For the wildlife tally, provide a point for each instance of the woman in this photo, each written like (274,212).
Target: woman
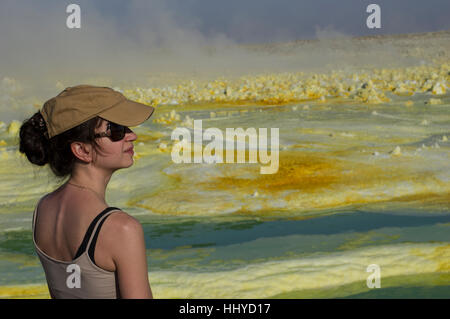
(87,249)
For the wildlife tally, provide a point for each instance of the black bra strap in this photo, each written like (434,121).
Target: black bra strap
(83,245)
(91,248)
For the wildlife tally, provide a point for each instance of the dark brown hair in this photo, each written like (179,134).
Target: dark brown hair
(55,151)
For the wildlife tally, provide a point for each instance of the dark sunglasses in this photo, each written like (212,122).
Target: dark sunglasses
(114,131)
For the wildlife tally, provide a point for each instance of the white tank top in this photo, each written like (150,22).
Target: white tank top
(81,277)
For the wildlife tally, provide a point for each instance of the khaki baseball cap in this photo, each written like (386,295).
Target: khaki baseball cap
(78,104)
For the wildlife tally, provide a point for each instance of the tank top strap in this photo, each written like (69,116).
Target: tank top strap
(93,227)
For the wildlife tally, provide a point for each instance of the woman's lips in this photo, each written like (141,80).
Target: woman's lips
(130,150)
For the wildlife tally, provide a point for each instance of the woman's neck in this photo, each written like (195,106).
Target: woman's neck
(96,184)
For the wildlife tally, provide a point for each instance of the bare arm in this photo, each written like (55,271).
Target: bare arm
(129,256)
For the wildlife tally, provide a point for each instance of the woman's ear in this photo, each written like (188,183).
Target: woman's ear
(82,151)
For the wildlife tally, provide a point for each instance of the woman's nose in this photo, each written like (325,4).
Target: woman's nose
(130,135)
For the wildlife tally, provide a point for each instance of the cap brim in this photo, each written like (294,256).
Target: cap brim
(128,113)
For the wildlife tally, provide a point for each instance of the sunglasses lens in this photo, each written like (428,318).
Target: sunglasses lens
(118,131)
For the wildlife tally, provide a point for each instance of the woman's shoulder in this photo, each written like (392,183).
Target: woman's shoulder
(122,232)
(122,222)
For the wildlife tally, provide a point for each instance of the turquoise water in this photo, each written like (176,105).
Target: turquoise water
(193,245)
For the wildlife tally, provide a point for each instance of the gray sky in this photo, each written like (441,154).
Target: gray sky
(124,38)
(275,20)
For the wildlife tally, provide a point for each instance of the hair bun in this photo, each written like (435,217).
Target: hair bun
(33,140)
(37,121)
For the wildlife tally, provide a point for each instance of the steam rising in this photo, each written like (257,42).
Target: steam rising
(150,44)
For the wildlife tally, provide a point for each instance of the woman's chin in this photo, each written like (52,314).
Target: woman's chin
(131,162)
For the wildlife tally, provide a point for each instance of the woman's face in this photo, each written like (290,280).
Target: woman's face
(114,154)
